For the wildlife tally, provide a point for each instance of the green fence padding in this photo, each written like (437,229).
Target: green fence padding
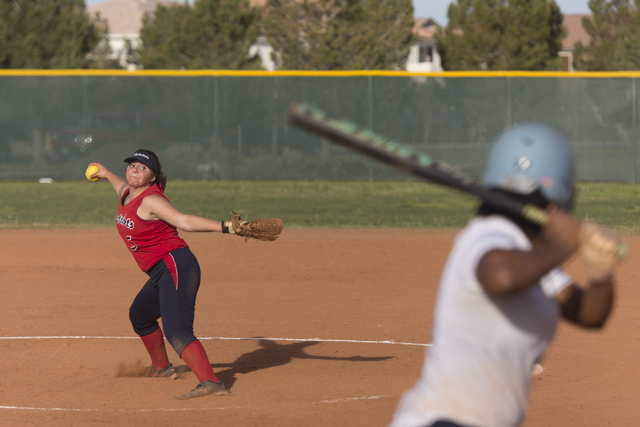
(233,126)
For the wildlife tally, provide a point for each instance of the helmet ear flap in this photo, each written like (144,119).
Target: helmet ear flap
(569,205)
(532,157)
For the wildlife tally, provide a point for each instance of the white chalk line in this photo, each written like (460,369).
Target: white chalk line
(27,408)
(69,337)
(353,398)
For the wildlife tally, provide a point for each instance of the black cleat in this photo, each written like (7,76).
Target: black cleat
(166,372)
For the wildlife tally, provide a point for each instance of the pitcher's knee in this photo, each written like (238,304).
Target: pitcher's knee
(141,325)
(179,341)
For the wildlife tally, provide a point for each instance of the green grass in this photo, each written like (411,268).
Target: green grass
(301,204)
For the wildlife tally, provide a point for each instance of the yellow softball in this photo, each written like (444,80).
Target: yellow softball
(90,171)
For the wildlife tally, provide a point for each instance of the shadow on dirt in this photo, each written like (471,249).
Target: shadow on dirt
(271,355)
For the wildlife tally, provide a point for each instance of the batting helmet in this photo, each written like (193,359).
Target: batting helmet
(532,157)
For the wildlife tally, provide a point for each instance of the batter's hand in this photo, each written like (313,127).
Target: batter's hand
(601,250)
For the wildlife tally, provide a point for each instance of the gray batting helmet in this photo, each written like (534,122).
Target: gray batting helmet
(532,157)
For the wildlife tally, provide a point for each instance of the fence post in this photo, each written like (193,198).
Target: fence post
(274,140)
(36,140)
(633,127)
(370,83)
(85,101)
(285,128)
(216,113)
(509,113)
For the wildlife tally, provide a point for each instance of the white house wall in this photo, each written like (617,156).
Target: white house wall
(414,66)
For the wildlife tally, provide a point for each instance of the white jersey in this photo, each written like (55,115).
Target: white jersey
(478,373)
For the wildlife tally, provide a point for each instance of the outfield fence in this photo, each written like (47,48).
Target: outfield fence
(232,125)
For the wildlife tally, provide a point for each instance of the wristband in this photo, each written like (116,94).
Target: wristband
(227,227)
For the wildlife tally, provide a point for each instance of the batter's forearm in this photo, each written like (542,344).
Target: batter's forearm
(595,304)
(503,272)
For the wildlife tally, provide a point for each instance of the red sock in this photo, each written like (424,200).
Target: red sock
(154,343)
(196,358)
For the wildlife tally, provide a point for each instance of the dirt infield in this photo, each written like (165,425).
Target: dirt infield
(314,329)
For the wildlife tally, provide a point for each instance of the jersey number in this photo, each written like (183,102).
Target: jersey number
(133,244)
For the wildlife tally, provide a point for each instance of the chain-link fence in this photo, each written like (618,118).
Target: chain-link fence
(215,125)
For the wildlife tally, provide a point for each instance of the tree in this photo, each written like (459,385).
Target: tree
(211,34)
(101,56)
(339,34)
(614,29)
(49,34)
(502,35)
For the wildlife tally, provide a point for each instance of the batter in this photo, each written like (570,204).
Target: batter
(502,291)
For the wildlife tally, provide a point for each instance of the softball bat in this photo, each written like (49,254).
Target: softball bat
(416,163)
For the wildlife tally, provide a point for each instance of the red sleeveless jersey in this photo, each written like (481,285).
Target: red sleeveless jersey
(148,241)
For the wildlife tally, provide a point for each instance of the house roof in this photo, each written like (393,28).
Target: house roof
(125,16)
(575,31)
(425,28)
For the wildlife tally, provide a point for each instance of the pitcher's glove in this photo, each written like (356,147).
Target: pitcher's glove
(601,249)
(260,228)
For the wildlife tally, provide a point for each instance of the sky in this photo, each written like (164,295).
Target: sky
(437,9)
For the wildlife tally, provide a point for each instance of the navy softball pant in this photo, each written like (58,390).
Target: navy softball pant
(170,294)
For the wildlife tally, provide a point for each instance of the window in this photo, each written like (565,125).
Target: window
(425,54)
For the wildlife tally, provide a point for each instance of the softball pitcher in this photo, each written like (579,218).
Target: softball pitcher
(147,223)
(502,291)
